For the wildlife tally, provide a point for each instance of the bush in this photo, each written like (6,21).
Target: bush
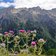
(51,52)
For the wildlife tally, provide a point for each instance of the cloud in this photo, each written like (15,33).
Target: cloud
(3,4)
(44,4)
(49,4)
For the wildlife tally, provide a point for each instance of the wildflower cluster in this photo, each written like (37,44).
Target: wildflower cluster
(22,41)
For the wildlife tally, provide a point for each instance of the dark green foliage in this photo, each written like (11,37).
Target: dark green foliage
(31,50)
(51,52)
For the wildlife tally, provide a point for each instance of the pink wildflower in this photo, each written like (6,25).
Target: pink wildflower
(22,31)
(33,43)
(5,33)
(12,32)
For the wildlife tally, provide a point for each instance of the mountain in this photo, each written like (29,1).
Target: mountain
(44,21)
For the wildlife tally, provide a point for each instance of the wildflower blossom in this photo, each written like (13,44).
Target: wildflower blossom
(33,43)
(1,34)
(41,40)
(2,44)
(22,31)
(35,31)
(31,31)
(6,34)
(12,32)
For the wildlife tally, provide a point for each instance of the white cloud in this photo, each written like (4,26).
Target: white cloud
(46,4)
(3,4)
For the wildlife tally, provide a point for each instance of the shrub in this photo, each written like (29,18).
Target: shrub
(51,52)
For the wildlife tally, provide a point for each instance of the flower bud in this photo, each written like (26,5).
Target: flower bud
(33,43)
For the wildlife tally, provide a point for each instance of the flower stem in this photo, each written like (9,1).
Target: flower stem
(7,46)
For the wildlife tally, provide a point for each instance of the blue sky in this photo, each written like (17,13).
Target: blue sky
(6,0)
(44,4)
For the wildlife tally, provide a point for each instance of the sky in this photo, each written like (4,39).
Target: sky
(44,4)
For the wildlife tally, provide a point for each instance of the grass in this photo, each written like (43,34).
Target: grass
(24,54)
(3,52)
